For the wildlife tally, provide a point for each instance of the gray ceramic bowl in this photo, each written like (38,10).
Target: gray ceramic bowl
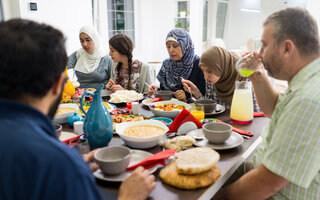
(217,132)
(164,94)
(113,160)
(58,129)
(209,105)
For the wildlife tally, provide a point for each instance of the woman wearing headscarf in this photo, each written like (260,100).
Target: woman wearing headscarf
(218,66)
(127,73)
(183,63)
(91,65)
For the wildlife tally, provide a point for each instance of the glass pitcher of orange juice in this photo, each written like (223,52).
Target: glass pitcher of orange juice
(242,103)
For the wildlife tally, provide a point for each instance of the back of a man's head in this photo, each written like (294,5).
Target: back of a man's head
(32,57)
(297,25)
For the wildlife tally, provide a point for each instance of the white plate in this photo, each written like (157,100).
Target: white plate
(147,101)
(234,140)
(137,156)
(66,135)
(219,109)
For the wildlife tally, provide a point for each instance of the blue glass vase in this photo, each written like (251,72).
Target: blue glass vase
(98,125)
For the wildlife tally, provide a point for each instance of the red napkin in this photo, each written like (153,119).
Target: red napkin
(73,139)
(156,159)
(184,116)
(241,132)
(156,99)
(258,114)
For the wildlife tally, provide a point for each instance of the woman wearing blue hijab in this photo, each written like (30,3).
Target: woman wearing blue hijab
(183,63)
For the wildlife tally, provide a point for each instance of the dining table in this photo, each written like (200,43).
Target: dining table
(229,162)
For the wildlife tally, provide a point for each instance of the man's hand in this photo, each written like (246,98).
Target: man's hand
(88,158)
(138,186)
(180,95)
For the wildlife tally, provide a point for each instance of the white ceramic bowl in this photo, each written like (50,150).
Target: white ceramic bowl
(169,114)
(141,142)
(62,118)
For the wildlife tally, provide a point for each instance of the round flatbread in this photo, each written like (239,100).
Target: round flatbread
(197,160)
(170,176)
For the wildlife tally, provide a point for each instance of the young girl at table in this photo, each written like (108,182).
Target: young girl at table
(182,63)
(218,66)
(127,73)
(91,64)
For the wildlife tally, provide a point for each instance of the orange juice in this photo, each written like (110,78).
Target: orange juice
(199,115)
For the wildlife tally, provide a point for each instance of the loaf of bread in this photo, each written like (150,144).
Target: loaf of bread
(179,142)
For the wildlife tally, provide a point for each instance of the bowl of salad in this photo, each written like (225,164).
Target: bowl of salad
(169,108)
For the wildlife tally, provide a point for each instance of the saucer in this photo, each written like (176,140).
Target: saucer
(136,156)
(233,141)
(196,134)
(219,109)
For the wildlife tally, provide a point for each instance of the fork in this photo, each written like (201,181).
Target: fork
(192,98)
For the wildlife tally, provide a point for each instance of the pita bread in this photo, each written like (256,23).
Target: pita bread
(179,142)
(170,176)
(197,160)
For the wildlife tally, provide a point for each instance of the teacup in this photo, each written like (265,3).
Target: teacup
(217,132)
(113,160)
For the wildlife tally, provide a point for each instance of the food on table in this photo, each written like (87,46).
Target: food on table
(203,168)
(179,142)
(143,131)
(189,161)
(167,107)
(121,111)
(170,176)
(121,96)
(87,104)
(63,110)
(118,118)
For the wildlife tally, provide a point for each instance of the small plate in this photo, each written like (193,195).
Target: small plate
(147,101)
(234,140)
(137,156)
(219,109)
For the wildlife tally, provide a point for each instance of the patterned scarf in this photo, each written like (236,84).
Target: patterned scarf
(171,71)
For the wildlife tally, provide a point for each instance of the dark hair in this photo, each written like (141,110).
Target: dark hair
(32,57)
(297,25)
(124,45)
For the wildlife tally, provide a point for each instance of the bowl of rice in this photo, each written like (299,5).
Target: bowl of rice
(124,96)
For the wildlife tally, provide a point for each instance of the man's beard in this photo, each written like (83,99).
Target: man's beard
(54,106)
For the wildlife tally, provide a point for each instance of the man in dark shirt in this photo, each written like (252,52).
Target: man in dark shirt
(34,163)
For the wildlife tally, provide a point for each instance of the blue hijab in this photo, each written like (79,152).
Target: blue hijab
(171,71)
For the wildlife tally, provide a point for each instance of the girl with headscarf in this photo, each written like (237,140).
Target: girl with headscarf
(127,73)
(218,66)
(91,65)
(183,63)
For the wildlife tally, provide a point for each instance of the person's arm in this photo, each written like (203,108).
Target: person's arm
(72,60)
(259,183)
(147,80)
(266,95)
(194,90)
(137,186)
(107,61)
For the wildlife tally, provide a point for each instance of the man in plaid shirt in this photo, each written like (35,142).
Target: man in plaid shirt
(287,161)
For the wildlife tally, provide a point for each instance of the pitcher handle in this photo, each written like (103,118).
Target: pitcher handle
(81,100)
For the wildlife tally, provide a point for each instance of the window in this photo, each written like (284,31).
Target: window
(205,20)
(222,10)
(1,15)
(120,17)
(182,21)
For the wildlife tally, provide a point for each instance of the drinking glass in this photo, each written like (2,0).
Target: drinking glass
(197,111)
(247,65)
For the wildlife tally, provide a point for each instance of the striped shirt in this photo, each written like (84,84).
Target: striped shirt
(291,142)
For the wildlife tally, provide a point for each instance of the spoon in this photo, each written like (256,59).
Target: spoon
(192,98)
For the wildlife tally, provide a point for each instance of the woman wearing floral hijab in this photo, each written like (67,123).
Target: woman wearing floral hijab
(183,63)
(218,66)
(91,65)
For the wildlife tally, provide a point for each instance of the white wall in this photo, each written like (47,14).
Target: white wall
(153,20)
(67,15)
